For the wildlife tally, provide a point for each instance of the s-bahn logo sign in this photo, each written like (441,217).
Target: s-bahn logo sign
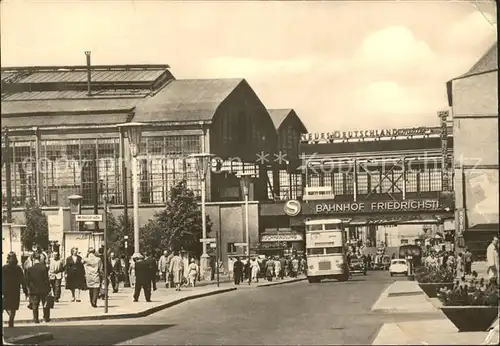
(338,135)
(384,206)
(292,207)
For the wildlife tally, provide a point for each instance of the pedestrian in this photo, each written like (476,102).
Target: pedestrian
(255,268)
(277,268)
(143,278)
(492,260)
(282,261)
(75,274)
(294,267)
(193,272)
(37,281)
(460,266)
(230,266)
(468,261)
(153,267)
(270,269)
(303,265)
(163,267)
(286,266)
(176,269)
(115,272)
(12,282)
(247,270)
(93,275)
(131,270)
(237,270)
(56,270)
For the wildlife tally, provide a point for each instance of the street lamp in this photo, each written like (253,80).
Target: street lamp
(134,138)
(245,179)
(203,161)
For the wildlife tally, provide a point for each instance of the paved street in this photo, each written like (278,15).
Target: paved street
(298,313)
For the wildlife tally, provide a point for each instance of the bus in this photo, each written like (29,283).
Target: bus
(325,250)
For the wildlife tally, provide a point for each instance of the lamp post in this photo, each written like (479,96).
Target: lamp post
(245,179)
(202,164)
(134,135)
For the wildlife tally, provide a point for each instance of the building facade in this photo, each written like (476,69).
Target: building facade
(473,98)
(378,181)
(61,136)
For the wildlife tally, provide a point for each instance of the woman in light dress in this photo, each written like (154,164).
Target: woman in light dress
(176,270)
(277,267)
(255,269)
(193,272)
(131,270)
(460,266)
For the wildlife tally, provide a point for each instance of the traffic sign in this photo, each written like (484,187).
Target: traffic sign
(207,240)
(240,244)
(213,245)
(89,218)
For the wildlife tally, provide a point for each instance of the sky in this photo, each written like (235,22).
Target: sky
(341,65)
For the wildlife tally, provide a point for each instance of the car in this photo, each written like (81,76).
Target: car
(398,266)
(357,266)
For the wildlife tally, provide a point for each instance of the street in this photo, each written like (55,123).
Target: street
(298,313)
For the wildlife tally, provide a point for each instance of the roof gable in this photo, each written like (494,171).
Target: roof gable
(186,100)
(488,62)
(279,116)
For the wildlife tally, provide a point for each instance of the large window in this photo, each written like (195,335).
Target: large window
(22,172)
(164,162)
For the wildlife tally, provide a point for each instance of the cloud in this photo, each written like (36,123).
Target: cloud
(393,48)
(392,103)
(227,66)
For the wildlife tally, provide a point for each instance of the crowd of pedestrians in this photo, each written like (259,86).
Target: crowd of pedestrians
(265,267)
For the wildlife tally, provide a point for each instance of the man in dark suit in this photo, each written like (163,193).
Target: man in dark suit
(153,267)
(37,280)
(115,269)
(237,271)
(143,278)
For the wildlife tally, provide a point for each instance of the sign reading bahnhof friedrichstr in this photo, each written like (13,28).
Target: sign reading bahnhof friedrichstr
(378,206)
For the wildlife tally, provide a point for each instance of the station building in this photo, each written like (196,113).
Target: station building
(377,181)
(473,98)
(61,137)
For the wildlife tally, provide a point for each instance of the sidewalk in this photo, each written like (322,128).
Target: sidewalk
(403,297)
(438,331)
(120,305)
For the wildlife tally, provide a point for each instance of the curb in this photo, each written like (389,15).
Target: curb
(281,282)
(30,339)
(405,294)
(135,314)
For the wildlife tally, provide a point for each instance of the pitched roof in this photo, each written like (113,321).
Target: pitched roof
(39,120)
(68,105)
(186,100)
(488,62)
(280,115)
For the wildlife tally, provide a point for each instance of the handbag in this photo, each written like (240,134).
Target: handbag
(49,302)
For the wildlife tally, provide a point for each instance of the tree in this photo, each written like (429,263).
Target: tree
(178,226)
(117,232)
(37,226)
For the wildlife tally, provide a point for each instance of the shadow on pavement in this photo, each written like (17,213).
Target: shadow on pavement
(87,335)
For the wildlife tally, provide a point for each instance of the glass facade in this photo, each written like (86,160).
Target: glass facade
(290,185)
(377,181)
(72,166)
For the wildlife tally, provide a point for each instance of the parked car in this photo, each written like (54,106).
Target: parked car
(357,266)
(398,266)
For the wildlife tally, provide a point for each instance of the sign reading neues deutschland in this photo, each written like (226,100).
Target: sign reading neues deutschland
(385,206)
(338,135)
